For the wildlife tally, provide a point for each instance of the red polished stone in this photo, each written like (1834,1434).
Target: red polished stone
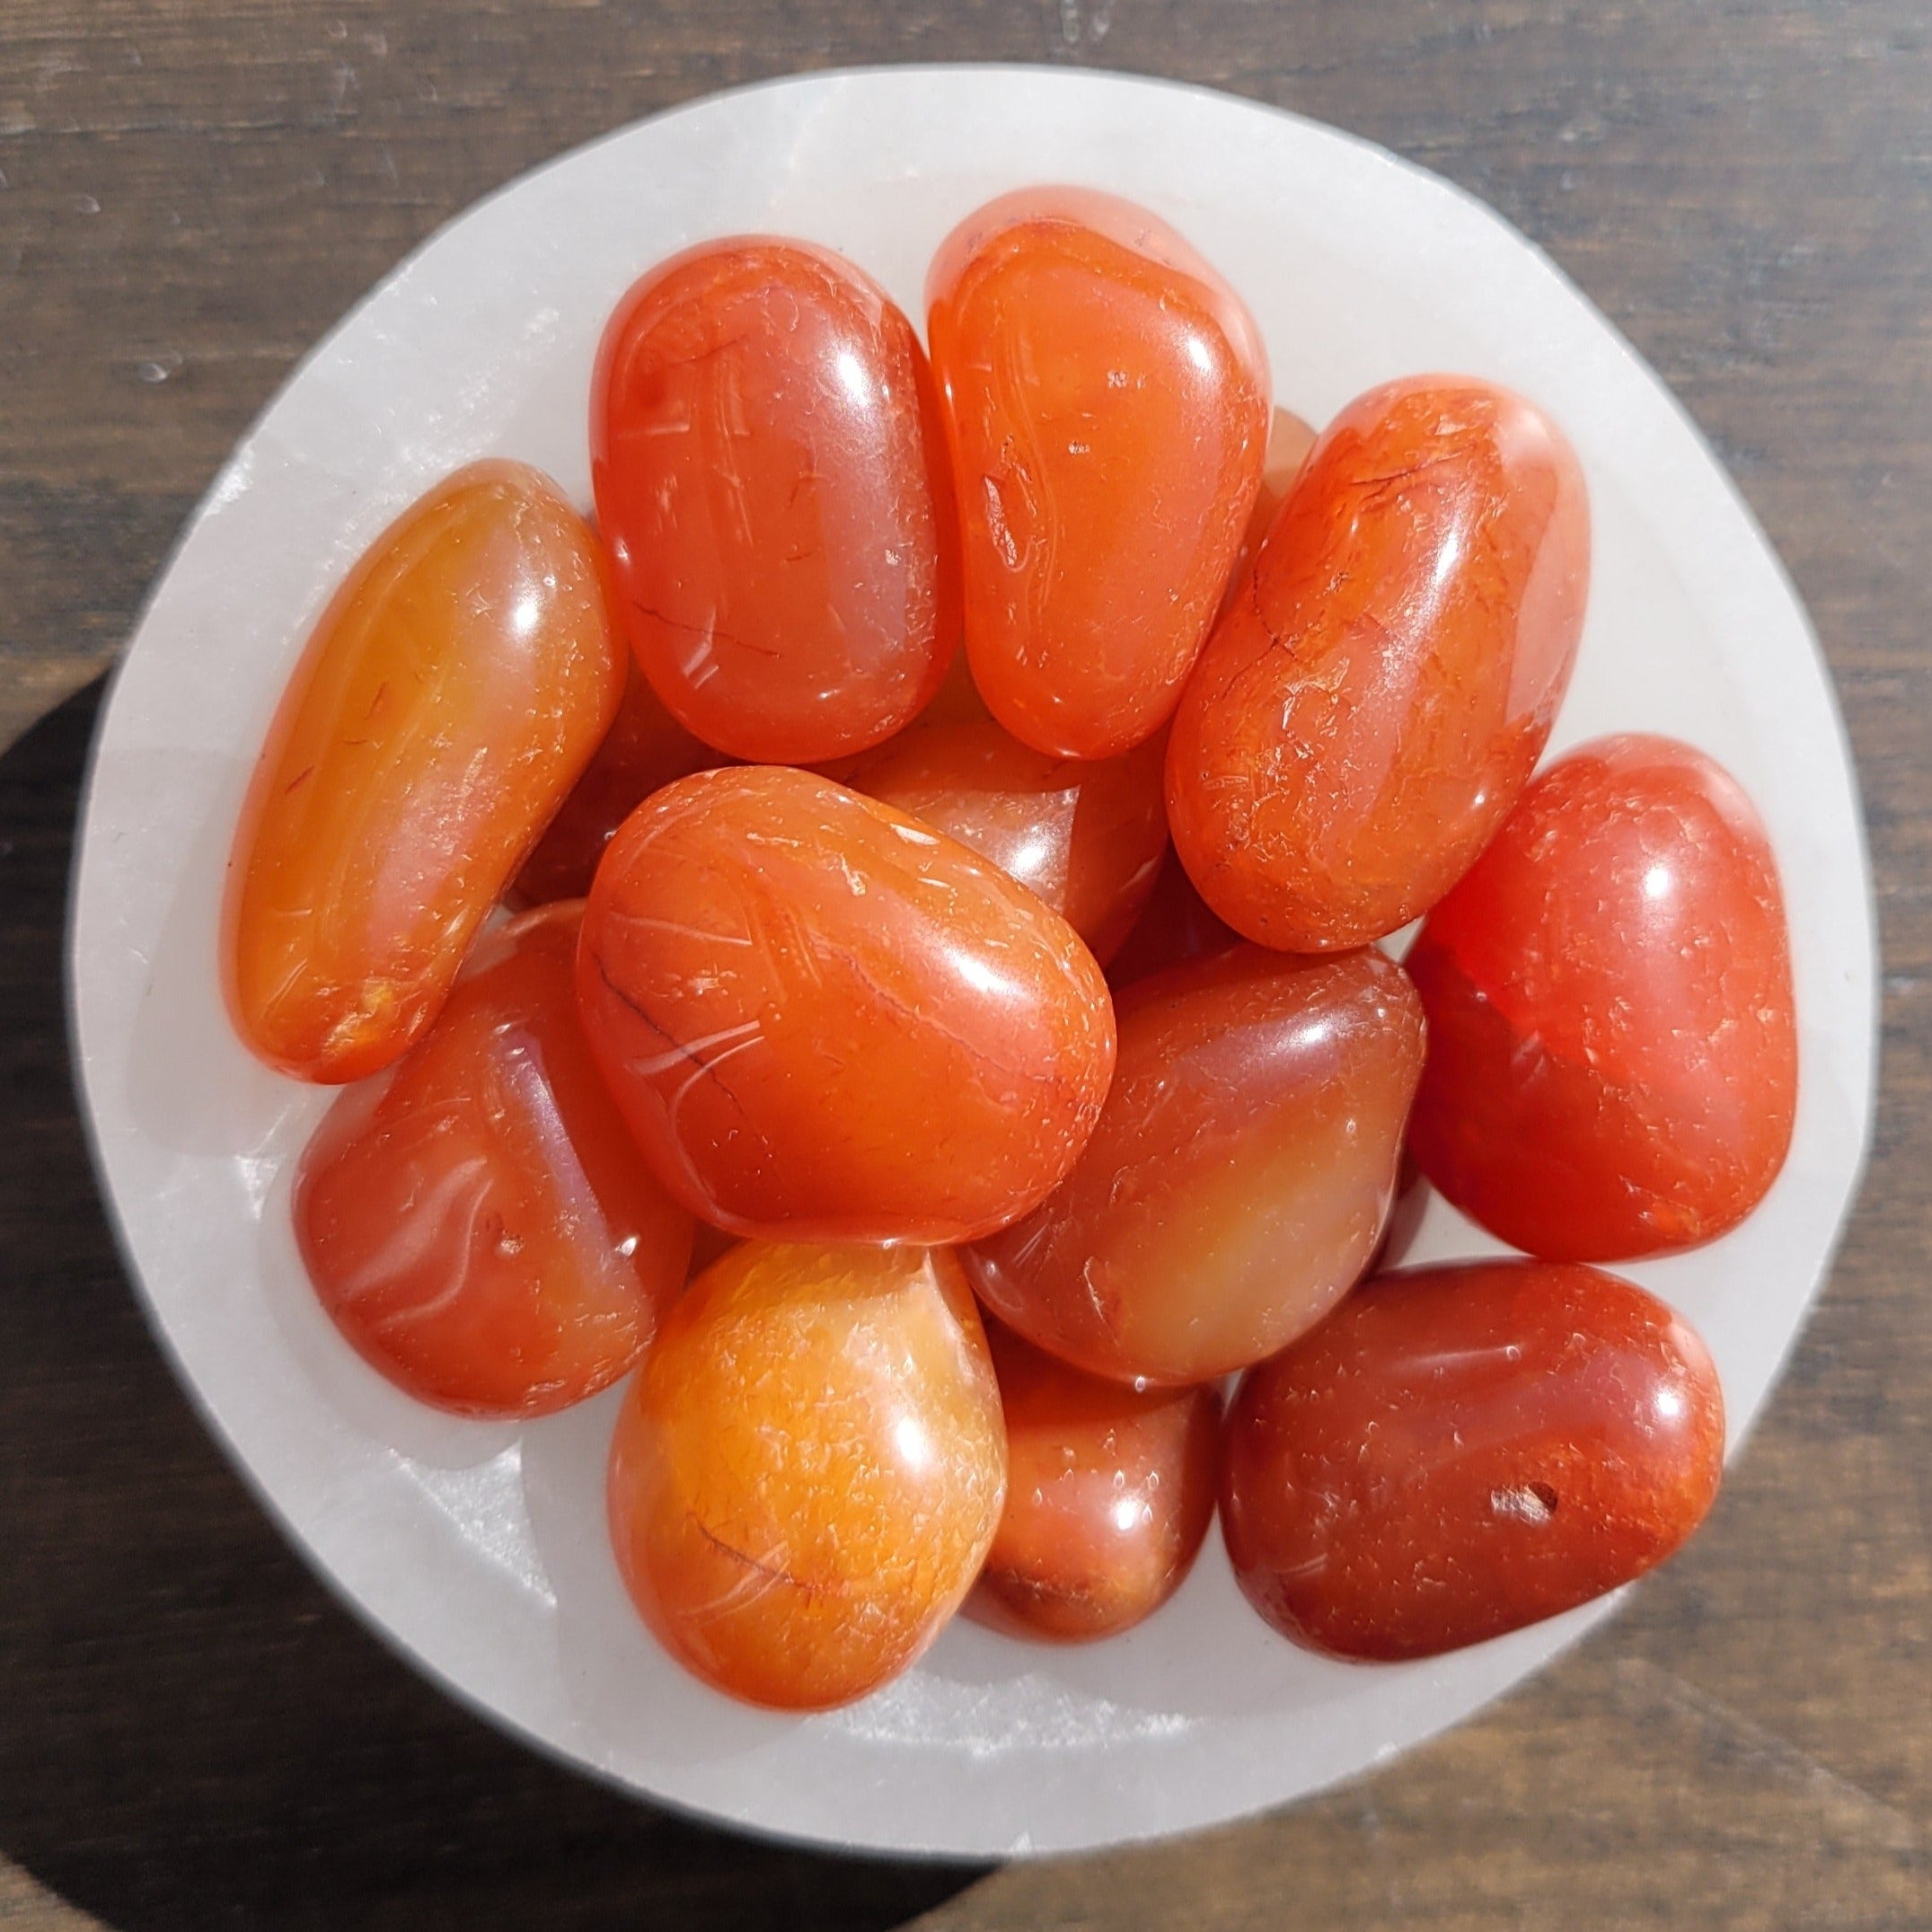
(1107,402)
(477,1221)
(1612,1045)
(826,1021)
(772,480)
(1462,1451)
(451,694)
(1109,1493)
(1241,1174)
(808,1470)
(1087,836)
(1375,698)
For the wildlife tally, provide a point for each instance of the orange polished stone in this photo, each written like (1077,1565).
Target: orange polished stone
(1107,400)
(1374,699)
(1462,1451)
(644,749)
(809,1468)
(1240,1177)
(477,1221)
(1087,836)
(1110,1493)
(825,1021)
(453,692)
(772,480)
(1612,1042)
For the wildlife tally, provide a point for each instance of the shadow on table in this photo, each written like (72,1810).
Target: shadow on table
(191,1732)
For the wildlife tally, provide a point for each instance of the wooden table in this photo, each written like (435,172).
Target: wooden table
(191,1732)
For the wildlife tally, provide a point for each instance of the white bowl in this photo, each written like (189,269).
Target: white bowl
(479,1550)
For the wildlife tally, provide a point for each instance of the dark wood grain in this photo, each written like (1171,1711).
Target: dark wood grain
(191,1732)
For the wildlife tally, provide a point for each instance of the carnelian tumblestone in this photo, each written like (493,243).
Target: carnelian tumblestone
(451,694)
(1612,1042)
(808,1470)
(1106,405)
(824,1020)
(477,1221)
(1110,1493)
(1290,439)
(770,477)
(1374,699)
(1086,836)
(646,747)
(1240,1176)
(1462,1451)
(1175,926)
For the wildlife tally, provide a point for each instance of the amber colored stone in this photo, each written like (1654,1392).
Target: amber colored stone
(770,478)
(476,1221)
(1458,1452)
(1107,406)
(646,747)
(808,1470)
(1374,699)
(1613,1062)
(451,694)
(1087,836)
(1241,1174)
(1110,1493)
(824,1020)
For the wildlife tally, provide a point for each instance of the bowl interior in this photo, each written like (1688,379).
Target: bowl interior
(478,1548)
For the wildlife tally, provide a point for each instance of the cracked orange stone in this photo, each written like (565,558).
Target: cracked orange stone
(1240,1176)
(1373,701)
(1110,1493)
(1612,1041)
(477,1221)
(772,480)
(453,692)
(1107,403)
(824,1020)
(1458,1452)
(808,1470)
